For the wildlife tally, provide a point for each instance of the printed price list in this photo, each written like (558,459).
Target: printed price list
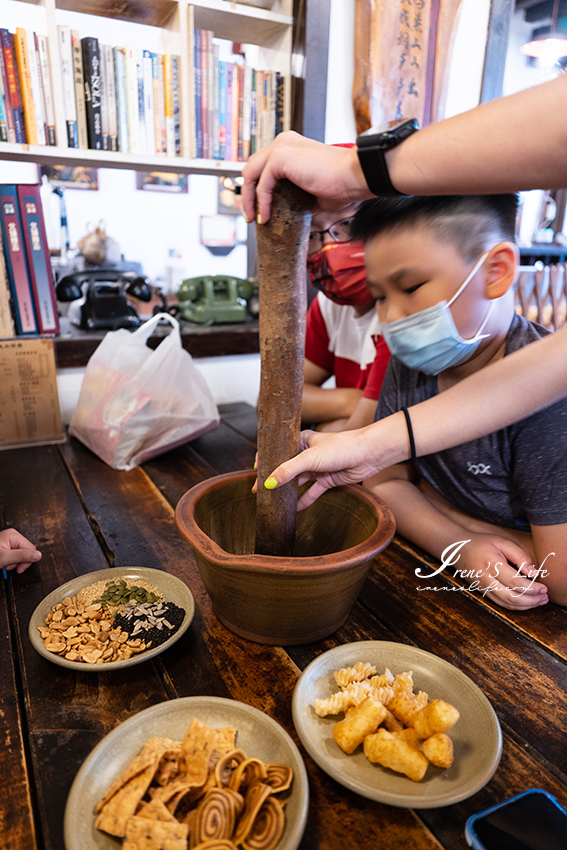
(29,404)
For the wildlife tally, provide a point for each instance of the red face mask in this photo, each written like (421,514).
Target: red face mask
(338,271)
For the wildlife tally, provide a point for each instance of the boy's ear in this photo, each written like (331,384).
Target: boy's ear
(500,269)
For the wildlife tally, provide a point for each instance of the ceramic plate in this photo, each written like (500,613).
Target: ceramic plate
(258,735)
(477,738)
(173,589)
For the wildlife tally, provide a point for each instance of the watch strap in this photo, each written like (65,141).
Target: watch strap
(375,169)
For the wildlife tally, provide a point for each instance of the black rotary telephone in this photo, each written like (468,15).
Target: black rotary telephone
(105,306)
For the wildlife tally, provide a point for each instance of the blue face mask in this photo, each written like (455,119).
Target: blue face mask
(429,340)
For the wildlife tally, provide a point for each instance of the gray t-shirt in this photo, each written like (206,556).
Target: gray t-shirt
(515,477)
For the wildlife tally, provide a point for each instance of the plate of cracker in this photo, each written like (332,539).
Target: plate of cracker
(111,618)
(187,771)
(397,724)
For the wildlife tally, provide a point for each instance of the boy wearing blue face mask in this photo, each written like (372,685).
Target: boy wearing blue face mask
(442,271)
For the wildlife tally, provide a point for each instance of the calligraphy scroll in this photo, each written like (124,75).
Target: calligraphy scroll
(410,49)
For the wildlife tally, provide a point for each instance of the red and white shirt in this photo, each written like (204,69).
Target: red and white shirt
(347,346)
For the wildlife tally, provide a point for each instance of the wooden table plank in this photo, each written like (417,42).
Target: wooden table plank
(216,662)
(67,712)
(16,820)
(526,684)
(547,624)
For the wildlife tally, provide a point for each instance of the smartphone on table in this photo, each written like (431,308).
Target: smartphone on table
(532,820)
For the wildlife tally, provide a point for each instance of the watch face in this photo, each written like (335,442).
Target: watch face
(389,134)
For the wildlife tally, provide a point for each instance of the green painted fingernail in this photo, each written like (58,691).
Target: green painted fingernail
(270,483)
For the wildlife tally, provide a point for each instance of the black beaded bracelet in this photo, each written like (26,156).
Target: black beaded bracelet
(410,434)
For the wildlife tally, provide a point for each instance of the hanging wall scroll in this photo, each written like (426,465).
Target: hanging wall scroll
(402,52)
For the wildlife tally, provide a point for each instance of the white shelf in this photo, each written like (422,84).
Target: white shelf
(237,22)
(45,155)
(270,29)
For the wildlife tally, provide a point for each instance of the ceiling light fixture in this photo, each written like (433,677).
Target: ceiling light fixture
(548,46)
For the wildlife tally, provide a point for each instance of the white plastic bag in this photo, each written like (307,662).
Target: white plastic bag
(136,403)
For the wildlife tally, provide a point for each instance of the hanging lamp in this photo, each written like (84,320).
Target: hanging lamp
(548,46)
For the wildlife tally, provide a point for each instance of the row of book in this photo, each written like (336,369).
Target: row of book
(128,99)
(27,292)
(119,98)
(238,109)
(27,112)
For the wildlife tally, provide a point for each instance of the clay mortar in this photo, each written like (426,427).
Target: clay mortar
(274,576)
(282,600)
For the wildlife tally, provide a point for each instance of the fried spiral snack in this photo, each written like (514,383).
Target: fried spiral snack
(246,772)
(279,777)
(200,793)
(226,766)
(216,815)
(255,797)
(267,828)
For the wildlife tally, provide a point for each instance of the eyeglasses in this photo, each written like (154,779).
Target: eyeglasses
(339,231)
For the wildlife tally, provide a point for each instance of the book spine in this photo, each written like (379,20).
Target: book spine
(35,49)
(216,103)
(43,53)
(265,117)
(66,56)
(161,105)
(110,87)
(149,102)
(7,329)
(222,110)
(198,95)
(23,60)
(229,72)
(155,89)
(246,112)
(253,117)
(204,94)
(240,150)
(122,103)
(132,99)
(13,81)
(103,101)
(6,94)
(91,71)
(168,88)
(3,121)
(79,78)
(139,54)
(211,94)
(176,104)
(273,104)
(235,98)
(280,103)
(37,93)
(16,262)
(191,151)
(37,253)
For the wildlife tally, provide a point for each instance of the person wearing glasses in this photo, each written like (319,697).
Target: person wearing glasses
(342,336)
(510,144)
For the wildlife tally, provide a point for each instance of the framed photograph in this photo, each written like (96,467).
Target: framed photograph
(70,176)
(162,181)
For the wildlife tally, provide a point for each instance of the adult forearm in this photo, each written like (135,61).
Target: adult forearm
(510,144)
(494,397)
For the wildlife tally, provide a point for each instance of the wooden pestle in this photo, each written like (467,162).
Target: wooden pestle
(282,260)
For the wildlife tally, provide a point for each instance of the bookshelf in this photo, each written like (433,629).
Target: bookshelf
(270,30)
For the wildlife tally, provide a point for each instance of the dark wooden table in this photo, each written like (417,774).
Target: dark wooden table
(85,516)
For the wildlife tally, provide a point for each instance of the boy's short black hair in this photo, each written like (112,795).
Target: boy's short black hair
(465,221)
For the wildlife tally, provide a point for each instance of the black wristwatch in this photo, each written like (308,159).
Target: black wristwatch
(373,144)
